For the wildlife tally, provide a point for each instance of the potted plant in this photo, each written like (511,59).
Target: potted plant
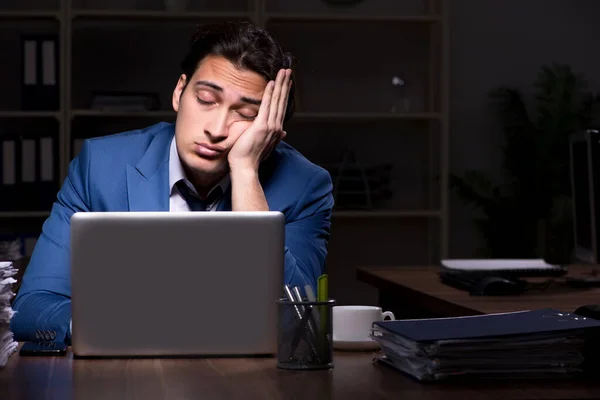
(528,213)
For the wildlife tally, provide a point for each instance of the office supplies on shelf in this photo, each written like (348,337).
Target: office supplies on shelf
(544,343)
(7,344)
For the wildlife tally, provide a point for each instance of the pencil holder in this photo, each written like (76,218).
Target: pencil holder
(305,334)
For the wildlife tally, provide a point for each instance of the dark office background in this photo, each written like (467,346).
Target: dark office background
(395,137)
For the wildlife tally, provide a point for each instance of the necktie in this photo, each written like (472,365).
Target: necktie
(194,202)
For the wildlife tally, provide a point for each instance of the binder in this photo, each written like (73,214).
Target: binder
(29,172)
(544,343)
(40,72)
(10,172)
(519,323)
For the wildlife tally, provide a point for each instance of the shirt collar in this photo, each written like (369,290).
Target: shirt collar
(176,172)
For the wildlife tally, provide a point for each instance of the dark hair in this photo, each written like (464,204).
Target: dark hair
(246,46)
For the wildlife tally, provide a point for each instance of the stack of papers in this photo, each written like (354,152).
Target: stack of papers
(7,344)
(542,343)
(10,250)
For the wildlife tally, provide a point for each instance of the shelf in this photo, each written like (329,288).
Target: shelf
(364,116)
(385,214)
(299,116)
(353,18)
(97,38)
(24,14)
(123,114)
(29,114)
(157,14)
(337,214)
(24,214)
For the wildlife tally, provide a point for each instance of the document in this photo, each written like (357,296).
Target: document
(498,264)
(7,344)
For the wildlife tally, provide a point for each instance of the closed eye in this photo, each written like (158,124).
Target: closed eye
(206,103)
(248,117)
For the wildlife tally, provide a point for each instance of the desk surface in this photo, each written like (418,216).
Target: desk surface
(421,285)
(354,376)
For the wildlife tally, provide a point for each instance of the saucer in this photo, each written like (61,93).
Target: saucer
(356,345)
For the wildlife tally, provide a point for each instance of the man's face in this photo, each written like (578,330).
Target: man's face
(218,104)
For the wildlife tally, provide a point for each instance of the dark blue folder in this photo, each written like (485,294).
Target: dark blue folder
(520,323)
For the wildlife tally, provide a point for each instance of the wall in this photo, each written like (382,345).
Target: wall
(497,42)
(492,42)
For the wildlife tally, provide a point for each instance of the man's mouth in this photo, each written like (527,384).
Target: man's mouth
(208,151)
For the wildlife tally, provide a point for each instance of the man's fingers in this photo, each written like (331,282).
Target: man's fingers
(276,137)
(265,103)
(283,100)
(275,98)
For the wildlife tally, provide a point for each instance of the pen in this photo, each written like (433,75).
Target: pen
(306,310)
(310,295)
(323,296)
(290,297)
(302,319)
(322,289)
(297,293)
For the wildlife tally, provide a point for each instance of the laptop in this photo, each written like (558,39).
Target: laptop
(160,284)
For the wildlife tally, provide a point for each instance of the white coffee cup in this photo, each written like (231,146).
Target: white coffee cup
(354,323)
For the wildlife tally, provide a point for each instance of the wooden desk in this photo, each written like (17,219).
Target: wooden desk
(417,291)
(354,376)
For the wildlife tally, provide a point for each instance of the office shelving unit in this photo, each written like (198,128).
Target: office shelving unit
(347,57)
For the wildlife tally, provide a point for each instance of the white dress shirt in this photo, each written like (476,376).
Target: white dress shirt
(176,173)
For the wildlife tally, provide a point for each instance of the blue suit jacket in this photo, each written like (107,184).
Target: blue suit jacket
(130,172)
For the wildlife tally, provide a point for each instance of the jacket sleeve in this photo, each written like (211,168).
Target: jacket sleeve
(44,298)
(307,235)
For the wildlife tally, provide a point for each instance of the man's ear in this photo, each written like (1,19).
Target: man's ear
(178,91)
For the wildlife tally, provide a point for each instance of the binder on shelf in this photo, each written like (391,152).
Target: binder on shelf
(29,172)
(9,185)
(40,78)
(47,171)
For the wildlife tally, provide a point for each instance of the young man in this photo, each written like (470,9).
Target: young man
(224,151)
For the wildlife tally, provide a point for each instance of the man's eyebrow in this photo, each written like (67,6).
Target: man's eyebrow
(220,89)
(209,84)
(256,102)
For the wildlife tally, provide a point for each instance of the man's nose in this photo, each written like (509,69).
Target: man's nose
(217,126)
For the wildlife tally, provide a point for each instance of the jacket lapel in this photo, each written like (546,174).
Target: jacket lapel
(148,181)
